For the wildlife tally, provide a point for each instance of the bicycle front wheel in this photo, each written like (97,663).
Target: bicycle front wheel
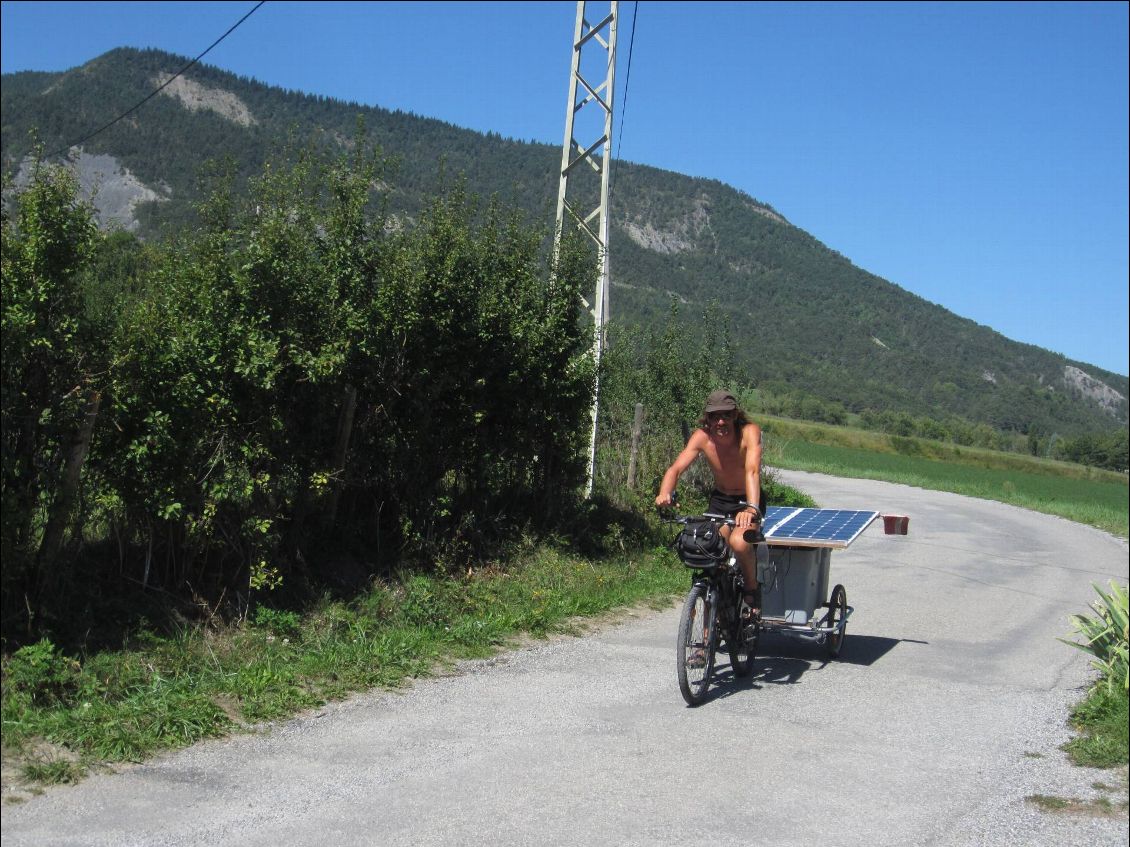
(696,643)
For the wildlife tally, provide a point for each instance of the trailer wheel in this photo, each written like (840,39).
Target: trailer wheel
(837,617)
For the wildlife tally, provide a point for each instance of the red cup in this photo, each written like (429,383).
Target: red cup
(896,524)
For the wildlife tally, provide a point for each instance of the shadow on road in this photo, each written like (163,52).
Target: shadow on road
(868,649)
(783,661)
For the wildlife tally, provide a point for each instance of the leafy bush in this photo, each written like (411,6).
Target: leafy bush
(40,675)
(1107,635)
(294,376)
(280,622)
(52,360)
(779,494)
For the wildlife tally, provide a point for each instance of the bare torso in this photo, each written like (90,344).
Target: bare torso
(727,456)
(734,456)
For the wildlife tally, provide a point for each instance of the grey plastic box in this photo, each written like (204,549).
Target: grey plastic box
(794,582)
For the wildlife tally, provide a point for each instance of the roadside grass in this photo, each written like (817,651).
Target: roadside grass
(1103,720)
(163,693)
(1103,717)
(1101,806)
(53,771)
(1098,498)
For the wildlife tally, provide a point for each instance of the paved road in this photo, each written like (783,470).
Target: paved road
(945,711)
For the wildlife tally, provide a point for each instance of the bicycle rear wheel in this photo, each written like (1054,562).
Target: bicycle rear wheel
(742,646)
(698,637)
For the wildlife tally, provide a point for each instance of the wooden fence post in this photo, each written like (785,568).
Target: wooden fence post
(60,512)
(637,429)
(341,451)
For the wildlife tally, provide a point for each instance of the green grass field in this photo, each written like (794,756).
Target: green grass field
(1098,498)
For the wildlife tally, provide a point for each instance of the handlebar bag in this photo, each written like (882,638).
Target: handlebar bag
(700,544)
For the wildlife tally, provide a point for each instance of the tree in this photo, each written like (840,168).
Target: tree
(52,370)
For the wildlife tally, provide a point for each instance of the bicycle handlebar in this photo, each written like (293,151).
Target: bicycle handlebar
(708,515)
(705,516)
(750,535)
(741,503)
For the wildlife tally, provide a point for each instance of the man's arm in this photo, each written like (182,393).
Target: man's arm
(683,461)
(751,444)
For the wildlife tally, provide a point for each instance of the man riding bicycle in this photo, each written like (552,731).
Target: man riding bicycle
(731,444)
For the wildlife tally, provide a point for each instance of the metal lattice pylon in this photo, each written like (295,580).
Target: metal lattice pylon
(594,53)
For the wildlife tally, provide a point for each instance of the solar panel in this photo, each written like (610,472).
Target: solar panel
(789,526)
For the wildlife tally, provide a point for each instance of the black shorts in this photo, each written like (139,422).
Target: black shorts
(729,504)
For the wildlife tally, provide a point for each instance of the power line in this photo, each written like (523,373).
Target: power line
(624,108)
(158,90)
(628,75)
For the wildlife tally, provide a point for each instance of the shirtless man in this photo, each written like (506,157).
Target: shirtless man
(732,447)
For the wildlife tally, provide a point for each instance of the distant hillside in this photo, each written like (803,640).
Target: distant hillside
(809,319)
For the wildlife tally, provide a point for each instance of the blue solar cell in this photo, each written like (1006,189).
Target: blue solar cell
(826,527)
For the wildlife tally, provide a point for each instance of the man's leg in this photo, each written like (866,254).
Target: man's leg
(747,558)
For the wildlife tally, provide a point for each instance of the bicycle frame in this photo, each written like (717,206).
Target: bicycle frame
(712,611)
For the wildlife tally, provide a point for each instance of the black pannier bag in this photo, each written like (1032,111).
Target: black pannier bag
(700,544)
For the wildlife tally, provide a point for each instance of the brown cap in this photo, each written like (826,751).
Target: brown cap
(720,401)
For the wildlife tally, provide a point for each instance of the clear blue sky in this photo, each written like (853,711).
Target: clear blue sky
(972,153)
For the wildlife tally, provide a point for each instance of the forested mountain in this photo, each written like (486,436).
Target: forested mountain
(807,320)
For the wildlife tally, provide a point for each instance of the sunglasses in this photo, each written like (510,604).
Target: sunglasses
(728,415)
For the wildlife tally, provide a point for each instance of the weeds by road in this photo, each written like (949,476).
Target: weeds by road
(63,715)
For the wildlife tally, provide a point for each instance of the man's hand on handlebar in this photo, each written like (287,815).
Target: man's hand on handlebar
(748,521)
(747,518)
(666,501)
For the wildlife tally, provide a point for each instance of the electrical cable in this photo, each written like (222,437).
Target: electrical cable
(154,93)
(624,110)
(628,75)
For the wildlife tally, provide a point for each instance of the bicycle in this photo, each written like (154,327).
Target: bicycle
(714,605)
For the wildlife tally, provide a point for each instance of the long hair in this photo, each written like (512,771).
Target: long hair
(740,420)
